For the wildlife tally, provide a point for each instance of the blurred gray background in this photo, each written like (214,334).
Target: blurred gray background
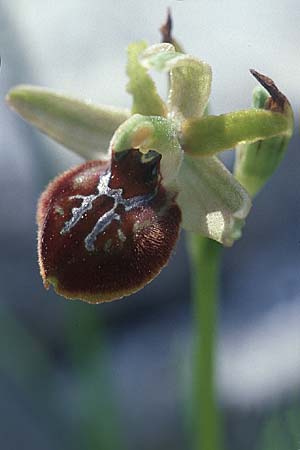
(118,375)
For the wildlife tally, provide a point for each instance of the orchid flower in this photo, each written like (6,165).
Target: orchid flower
(108,226)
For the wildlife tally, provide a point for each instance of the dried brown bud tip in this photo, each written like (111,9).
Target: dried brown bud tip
(166,29)
(278,101)
(106,229)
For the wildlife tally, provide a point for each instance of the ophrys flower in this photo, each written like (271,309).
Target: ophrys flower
(108,226)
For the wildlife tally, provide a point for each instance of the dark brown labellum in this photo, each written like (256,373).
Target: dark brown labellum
(106,228)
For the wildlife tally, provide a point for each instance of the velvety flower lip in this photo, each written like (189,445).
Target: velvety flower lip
(108,226)
(110,243)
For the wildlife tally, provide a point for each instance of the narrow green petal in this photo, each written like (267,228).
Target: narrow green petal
(256,162)
(78,125)
(190,79)
(146,100)
(213,134)
(212,202)
(151,133)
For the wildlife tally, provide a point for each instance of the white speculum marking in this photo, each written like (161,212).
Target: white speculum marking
(105,220)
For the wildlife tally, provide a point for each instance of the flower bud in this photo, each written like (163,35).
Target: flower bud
(256,161)
(106,229)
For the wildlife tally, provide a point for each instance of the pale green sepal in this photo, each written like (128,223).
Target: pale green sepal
(151,133)
(78,125)
(190,80)
(256,162)
(146,100)
(212,202)
(212,134)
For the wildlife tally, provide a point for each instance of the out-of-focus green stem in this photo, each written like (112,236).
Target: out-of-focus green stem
(95,403)
(205,256)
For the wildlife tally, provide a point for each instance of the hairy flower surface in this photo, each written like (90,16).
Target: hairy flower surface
(108,226)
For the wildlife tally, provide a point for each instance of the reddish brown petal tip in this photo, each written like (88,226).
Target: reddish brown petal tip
(106,231)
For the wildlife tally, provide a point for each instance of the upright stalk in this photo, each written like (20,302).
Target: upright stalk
(205,257)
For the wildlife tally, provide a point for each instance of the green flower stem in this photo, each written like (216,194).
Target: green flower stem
(205,257)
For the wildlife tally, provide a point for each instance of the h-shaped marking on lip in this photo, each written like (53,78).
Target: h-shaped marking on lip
(105,220)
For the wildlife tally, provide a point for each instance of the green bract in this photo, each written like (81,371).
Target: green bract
(211,200)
